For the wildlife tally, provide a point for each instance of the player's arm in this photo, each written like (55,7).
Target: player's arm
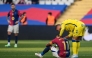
(20,16)
(62,30)
(69,35)
(25,20)
(8,15)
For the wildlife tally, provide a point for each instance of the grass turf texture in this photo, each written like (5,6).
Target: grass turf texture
(27,48)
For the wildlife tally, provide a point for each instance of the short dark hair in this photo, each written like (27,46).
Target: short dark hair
(12,4)
(50,13)
(58,25)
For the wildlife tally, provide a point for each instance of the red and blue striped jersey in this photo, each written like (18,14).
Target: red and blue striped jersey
(14,16)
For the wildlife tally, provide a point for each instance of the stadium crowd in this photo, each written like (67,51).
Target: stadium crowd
(19,1)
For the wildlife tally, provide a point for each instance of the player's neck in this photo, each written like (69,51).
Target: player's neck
(13,10)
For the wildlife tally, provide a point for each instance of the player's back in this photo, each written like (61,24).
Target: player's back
(70,24)
(62,44)
(64,48)
(70,21)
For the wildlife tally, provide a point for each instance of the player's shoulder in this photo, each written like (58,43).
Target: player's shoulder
(56,39)
(10,11)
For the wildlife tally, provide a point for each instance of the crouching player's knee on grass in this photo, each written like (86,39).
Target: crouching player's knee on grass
(63,50)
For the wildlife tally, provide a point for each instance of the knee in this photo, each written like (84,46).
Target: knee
(9,33)
(16,34)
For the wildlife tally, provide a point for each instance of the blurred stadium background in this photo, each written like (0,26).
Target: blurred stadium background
(34,36)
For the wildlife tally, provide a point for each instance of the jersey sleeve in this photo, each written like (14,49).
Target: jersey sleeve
(71,28)
(62,29)
(8,14)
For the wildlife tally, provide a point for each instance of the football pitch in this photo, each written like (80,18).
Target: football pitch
(27,48)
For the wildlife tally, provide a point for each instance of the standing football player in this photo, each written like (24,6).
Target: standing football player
(63,45)
(76,30)
(13,20)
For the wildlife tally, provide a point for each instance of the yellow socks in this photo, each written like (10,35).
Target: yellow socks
(75,47)
(78,47)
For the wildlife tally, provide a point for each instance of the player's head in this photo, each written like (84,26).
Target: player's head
(50,13)
(58,27)
(13,6)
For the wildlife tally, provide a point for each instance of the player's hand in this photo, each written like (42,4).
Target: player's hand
(65,37)
(16,22)
(9,21)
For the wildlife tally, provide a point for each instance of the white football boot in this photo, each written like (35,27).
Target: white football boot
(38,55)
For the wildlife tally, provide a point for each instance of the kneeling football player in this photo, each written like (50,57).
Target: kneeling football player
(62,52)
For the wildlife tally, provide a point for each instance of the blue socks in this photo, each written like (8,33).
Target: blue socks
(45,50)
(16,39)
(9,37)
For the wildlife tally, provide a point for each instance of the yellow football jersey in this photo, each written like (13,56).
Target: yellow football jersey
(70,25)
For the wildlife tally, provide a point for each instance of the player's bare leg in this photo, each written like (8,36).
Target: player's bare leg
(9,37)
(16,39)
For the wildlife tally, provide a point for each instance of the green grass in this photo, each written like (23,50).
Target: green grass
(27,48)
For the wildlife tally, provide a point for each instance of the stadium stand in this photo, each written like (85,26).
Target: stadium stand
(56,2)
(87,19)
(76,11)
(36,14)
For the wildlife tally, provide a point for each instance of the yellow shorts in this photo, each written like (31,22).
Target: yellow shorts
(79,30)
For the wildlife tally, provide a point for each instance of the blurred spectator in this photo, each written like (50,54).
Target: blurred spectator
(24,19)
(50,21)
(21,2)
(35,1)
(1,1)
(8,1)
